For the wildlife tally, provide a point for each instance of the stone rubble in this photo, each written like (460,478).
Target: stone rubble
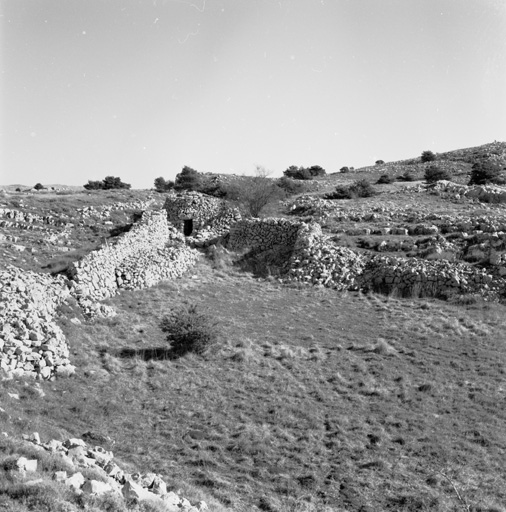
(76,456)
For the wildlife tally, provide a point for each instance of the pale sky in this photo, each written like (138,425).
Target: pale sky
(140,88)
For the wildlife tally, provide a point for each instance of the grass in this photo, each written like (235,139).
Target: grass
(313,400)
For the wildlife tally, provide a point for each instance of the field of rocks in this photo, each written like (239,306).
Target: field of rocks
(344,315)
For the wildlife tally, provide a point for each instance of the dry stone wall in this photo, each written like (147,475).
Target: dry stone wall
(316,260)
(263,234)
(210,217)
(419,278)
(151,251)
(31,343)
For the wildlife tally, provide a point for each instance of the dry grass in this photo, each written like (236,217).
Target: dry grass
(313,400)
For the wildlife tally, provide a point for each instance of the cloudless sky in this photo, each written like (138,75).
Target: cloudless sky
(140,88)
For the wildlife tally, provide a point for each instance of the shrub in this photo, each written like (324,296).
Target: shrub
(385,178)
(108,183)
(290,186)
(407,176)
(361,188)
(486,171)
(304,173)
(428,156)
(434,174)
(189,330)
(345,169)
(256,192)
(39,186)
(379,162)
(94,185)
(188,179)
(161,185)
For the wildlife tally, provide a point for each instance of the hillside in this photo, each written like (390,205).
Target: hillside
(361,369)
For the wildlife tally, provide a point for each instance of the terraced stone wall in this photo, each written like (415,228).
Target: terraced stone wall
(151,251)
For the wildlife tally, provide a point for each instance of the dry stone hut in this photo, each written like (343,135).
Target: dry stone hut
(202,217)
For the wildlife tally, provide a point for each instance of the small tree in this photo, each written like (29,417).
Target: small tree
(113,182)
(345,169)
(486,171)
(434,174)
(108,183)
(256,193)
(39,186)
(379,162)
(428,156)
(94,185)
(188,179)
(189,330)
(316,171)
(161,185)
(298,173)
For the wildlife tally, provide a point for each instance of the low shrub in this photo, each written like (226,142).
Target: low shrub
(385,178)
(379,162)
(360,188)
(291,186)
(189,330)
(434,174)
(407,176)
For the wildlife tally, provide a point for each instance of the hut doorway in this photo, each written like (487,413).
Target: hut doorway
(188,227)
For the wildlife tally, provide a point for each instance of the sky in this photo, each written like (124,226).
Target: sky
(140,88)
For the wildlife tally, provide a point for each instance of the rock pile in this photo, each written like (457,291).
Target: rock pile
(151,251)
(75,456)
(31,343)
(483,193)
(316,261)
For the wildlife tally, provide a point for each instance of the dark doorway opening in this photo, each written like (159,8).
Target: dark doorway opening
(188,227)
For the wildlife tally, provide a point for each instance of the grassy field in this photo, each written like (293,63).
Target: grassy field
(312,400)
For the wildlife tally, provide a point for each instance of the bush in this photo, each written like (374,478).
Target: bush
(290,186)
(344,169)
(188,179)
(428,156)
(39,186)
(108,183)
(407,176)
(304,173)
(256,192)
(486,171)
(361,188)
(379,162)
(161,185)
(434,174)
(189,330)
(385,178)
